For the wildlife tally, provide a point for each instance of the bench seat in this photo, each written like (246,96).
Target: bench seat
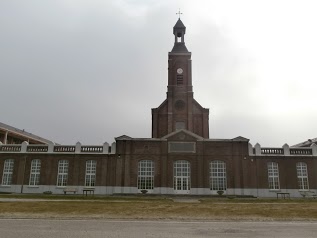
(70,190)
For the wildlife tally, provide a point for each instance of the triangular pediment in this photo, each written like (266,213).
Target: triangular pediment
(123,137)
(240,138)
(183,135)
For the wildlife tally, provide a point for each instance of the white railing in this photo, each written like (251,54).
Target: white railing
(51,148)
(285,150)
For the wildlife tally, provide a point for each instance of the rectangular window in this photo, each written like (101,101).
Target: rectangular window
(302,176)
(273,176)
(90,179)
(181,176)
(218,176)
(7,172)
(62,175)
(35,172)
(182,147)
(146,175)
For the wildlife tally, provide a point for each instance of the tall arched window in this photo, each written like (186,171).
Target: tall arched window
(273,175)
(146,175)
(35,172)
(7,172)
(90,178)
(62,175)
(218,176)
(181,176)
(302,176)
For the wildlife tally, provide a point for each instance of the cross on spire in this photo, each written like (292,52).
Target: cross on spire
(179,13)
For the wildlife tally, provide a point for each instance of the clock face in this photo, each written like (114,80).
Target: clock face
(179,70)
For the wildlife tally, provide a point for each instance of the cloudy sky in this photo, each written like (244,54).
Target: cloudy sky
(89,71)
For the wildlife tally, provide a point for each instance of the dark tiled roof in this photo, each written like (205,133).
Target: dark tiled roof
(179,24)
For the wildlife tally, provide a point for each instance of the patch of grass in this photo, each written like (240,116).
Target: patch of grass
(162,208)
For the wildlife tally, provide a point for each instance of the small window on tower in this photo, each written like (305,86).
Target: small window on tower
(179,80)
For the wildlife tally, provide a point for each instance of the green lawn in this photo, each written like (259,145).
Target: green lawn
(157,207)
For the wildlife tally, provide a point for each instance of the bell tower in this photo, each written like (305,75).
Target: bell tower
(180,110)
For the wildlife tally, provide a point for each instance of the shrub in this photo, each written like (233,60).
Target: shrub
(143,191)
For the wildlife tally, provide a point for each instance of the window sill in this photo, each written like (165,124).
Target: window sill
(5,186)
(33,186)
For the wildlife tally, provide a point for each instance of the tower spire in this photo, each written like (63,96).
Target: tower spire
(179,32)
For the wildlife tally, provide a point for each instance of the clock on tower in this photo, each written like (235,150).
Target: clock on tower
(180,110)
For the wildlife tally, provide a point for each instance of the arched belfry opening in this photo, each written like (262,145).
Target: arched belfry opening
(179,31)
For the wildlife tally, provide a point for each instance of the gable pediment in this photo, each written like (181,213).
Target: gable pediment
(182,135)
(240,138)
(123,137)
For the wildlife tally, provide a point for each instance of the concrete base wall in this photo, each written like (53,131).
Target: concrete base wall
(108,190)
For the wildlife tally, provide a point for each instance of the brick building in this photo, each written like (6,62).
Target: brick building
(180,158)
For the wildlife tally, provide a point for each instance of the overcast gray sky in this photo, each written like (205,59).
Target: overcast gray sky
(89,71)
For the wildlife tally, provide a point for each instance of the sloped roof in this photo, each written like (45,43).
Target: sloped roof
(179,24)
(23,134)
(307,143)
(179,47)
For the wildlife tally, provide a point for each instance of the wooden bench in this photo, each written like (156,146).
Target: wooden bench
(283,195)
(70,190)
(90,190)
(308,194)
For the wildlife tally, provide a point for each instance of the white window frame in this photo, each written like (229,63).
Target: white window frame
(182,176)
(302,176)
(62,174)
(218,175)
(7,172)
(273,176)
(90,176)
(35,172)
(146,175)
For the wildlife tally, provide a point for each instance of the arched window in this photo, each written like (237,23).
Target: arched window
(302,176)
(7,172)
(273,176)
(35,172)
(90,178)
(218,176)
(62,174)
(146,175)
(181,176)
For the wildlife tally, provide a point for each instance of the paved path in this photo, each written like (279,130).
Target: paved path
(39,228)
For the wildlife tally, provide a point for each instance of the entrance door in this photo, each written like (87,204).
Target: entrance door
(181,177)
